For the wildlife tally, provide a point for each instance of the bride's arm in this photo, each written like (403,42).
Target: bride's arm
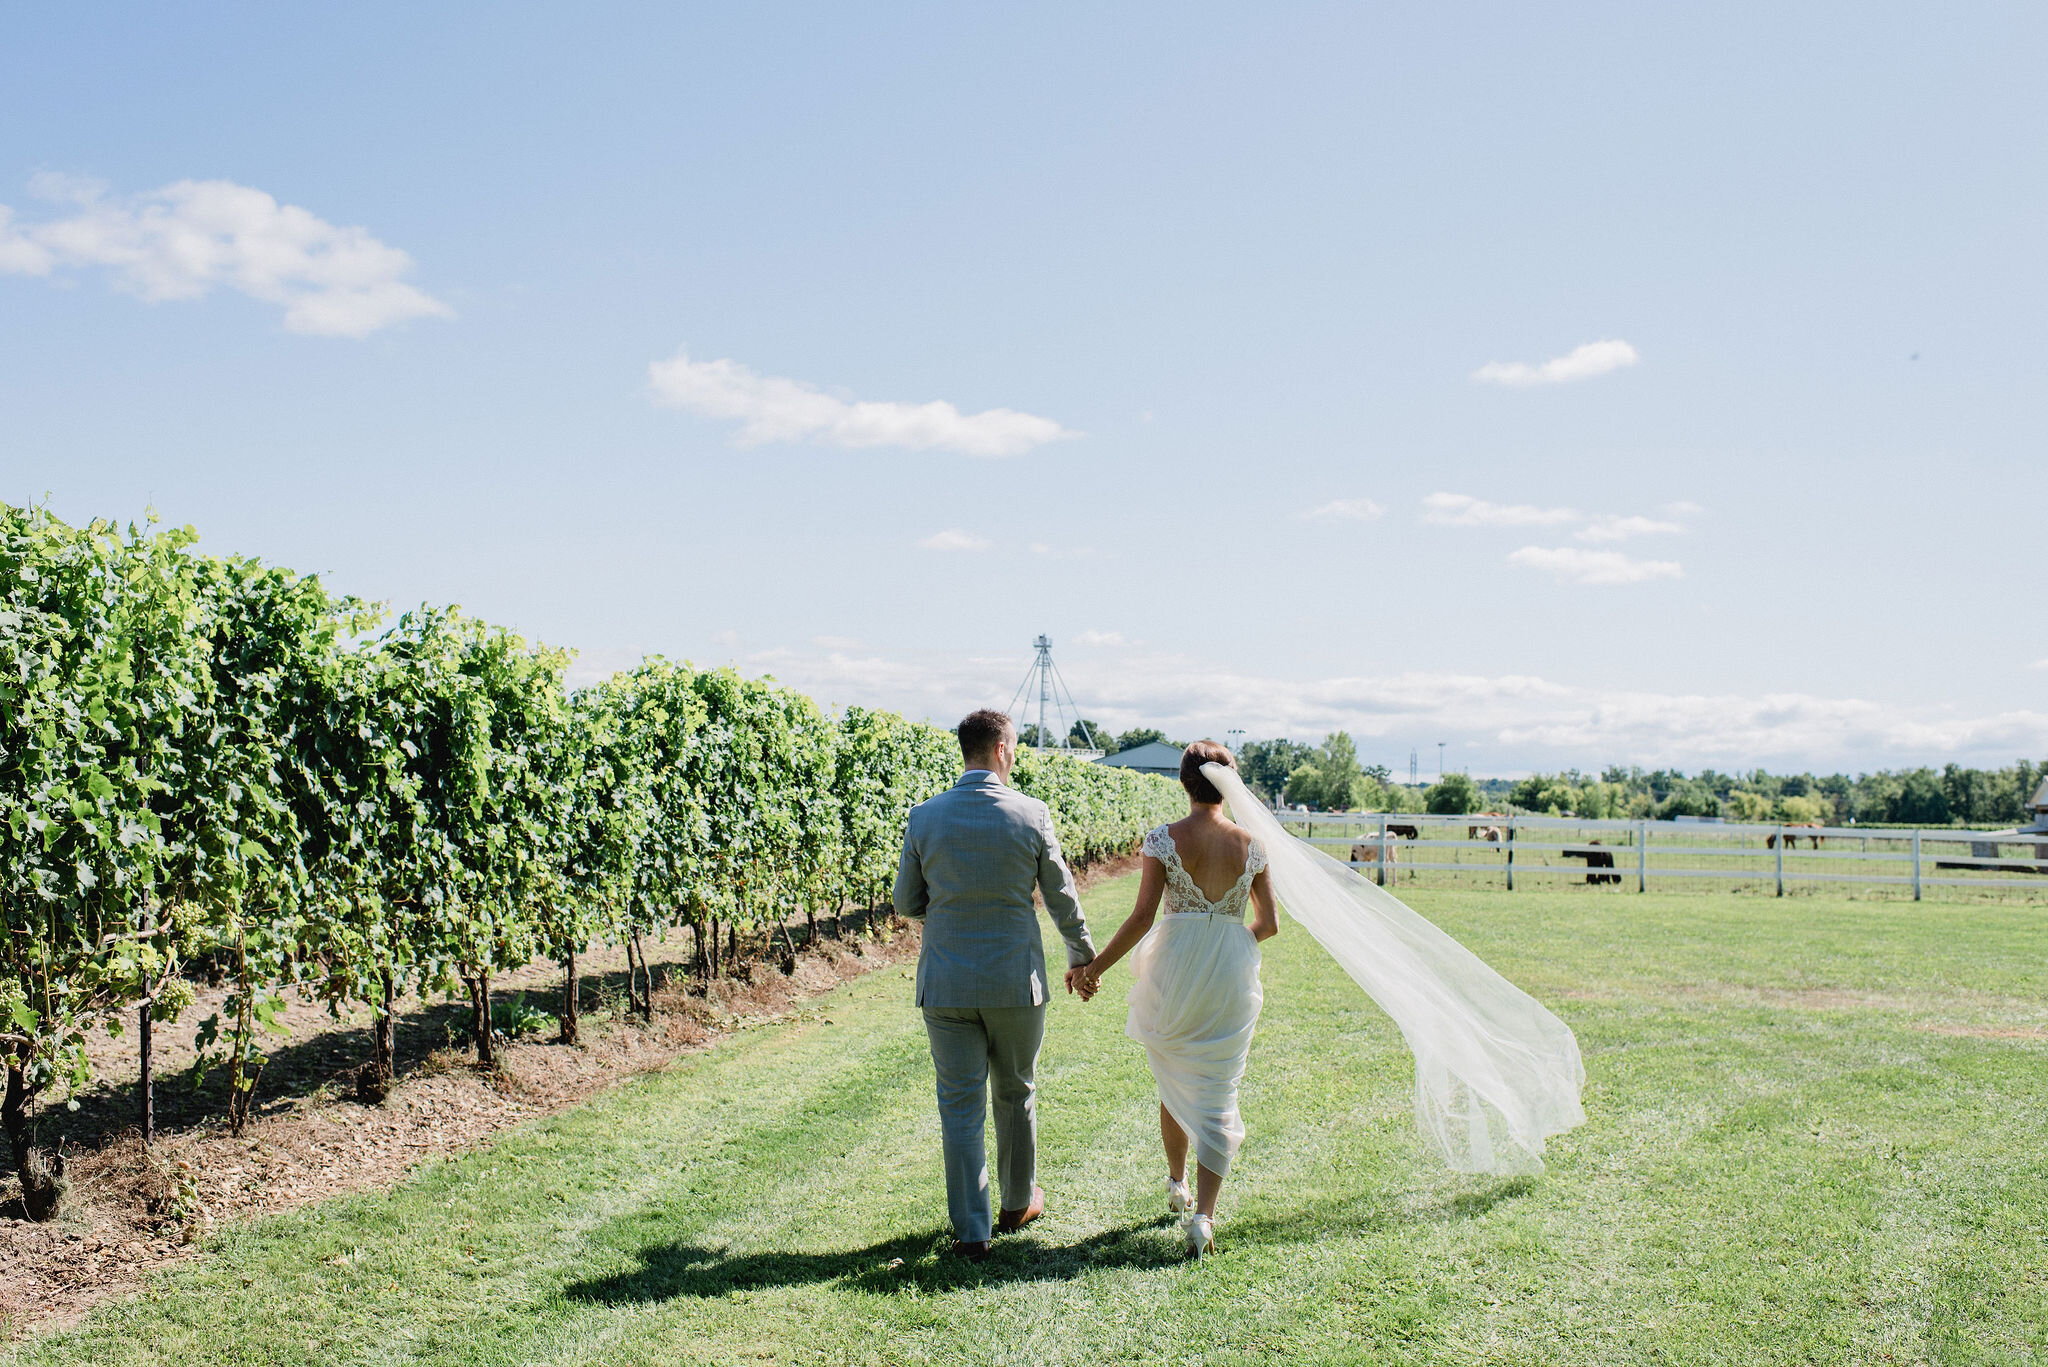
(1265,911)
(1150,887)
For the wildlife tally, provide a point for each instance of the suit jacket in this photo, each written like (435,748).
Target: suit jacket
(971,856)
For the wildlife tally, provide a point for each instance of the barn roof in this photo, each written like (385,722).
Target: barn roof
(2039,802)
(1153,757)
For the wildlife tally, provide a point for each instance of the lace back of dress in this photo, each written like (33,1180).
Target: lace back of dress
(1182,894)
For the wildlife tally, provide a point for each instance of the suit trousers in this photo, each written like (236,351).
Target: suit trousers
(976,1050)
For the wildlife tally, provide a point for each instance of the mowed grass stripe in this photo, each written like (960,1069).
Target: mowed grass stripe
(1786,1161)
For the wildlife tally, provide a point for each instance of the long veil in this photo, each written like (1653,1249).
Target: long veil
(1495,1073)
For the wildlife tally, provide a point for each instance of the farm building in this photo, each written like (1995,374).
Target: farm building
(2036,829)
(1153,757)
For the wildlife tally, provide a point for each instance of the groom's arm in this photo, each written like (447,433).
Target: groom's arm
(911,894)
(1056,884)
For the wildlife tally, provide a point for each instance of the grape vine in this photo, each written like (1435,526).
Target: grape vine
(208,756)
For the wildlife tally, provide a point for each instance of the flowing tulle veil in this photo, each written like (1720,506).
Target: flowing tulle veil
(1495,1073)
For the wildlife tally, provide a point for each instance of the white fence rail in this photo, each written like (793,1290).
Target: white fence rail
(1638,852)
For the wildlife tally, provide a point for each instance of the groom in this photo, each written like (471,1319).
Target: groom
(971,856)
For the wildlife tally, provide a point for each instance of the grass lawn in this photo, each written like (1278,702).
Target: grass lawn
(1816,1134)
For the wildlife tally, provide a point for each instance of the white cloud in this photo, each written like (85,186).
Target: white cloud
(1463,510)
(1682,508)
(770,408)
(1345,510)
(1575,566)
(836,642)
(1100,638)
(1502,723)
(2039,664)
(182,241)
(1581,363)
(953,539)
(1614,528)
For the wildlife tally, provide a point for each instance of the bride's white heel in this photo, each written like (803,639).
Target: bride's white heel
(1201,1235)
(1178,1197)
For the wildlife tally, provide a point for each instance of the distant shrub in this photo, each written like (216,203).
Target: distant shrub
(1805,809)
(1455,794)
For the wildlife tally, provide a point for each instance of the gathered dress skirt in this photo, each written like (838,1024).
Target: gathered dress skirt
(1194,1006)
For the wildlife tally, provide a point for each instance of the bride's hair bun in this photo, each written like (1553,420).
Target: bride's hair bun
(1191,761)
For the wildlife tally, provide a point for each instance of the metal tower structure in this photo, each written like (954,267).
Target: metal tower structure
(1044,679)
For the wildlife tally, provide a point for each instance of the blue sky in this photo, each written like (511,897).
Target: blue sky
(1210,341)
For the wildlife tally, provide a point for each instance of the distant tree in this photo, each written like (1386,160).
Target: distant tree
(1921,801)
(1454,793)
(1688,797)
(1137,736)
(1088,735)
(1559,795)
(1028,734)
(1399,797)
(1330,779)
(1600,801)
(1873,797)
(1267,764)
(1805,809)
(1751,806)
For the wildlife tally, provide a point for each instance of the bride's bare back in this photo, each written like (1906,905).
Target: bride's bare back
(1213,849)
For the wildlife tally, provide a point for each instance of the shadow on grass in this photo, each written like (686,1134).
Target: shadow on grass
(1373,1213)
(673,1270)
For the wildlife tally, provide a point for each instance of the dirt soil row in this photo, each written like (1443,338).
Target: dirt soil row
(132,1210)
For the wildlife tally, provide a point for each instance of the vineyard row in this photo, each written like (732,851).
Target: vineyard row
(206,755)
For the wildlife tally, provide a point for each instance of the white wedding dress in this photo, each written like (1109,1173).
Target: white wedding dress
(1496,1074)
(1196,999)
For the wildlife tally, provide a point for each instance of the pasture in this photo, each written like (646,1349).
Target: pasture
(1488,850)
(1814,1136)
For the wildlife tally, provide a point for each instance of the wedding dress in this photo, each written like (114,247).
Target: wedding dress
(1495,1073)
(1196,1000)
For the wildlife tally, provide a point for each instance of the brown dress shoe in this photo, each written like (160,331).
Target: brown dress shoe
(974,1251)
(1010,1221)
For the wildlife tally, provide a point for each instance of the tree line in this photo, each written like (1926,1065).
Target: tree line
(1329,777)
(1955,794)
(209,757)
(1089,735)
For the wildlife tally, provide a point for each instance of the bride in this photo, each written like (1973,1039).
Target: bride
(1197,994)
(1495,1073)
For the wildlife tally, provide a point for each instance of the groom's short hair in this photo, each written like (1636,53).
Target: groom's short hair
(981,732)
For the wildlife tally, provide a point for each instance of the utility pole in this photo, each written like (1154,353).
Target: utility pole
(1439,761)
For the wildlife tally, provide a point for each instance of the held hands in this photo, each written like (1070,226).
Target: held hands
(1083,981)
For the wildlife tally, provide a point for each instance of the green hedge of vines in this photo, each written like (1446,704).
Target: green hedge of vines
(208,755)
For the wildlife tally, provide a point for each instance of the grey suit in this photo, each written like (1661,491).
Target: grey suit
(971,857)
